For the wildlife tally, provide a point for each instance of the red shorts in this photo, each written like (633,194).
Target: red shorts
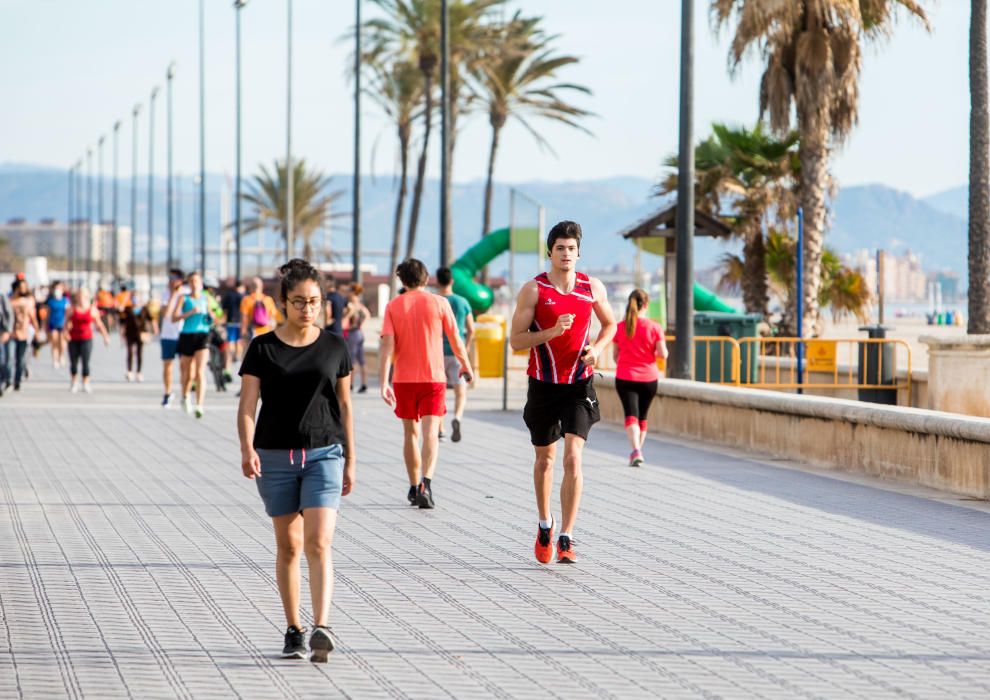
(413,400)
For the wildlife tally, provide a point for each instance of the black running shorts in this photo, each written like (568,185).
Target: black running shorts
(191,343)
(636,397)
(553,410)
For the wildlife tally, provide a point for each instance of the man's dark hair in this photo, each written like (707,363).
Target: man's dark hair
(564,229)
(412,273)
(331,283)
(177,273)
(444,276)
(293,272)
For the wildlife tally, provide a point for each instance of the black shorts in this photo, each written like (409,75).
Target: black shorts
(191,343)
(636,397)
(553,410)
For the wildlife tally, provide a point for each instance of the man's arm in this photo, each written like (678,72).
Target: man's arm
(520,336)
(386,346)
(603,310)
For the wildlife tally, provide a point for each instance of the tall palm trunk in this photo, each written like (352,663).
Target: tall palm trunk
(754,282)
(426,65)
(813,154)
(497,121)
(979,173)
(405,134)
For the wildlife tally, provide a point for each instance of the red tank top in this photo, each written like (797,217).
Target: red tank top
(559,360)
(82,324)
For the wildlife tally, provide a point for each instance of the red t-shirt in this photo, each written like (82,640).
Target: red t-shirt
(418,320)
(82,324)
(638,355)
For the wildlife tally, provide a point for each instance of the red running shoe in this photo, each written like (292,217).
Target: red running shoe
(544,544)
(565,550)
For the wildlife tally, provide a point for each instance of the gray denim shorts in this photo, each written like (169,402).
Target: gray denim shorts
(293,480)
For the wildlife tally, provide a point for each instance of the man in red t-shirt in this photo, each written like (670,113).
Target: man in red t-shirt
(412,339)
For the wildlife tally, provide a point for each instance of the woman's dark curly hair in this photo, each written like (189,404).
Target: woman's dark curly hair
(295,271)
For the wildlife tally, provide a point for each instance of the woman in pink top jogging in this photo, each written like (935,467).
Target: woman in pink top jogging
(638,343)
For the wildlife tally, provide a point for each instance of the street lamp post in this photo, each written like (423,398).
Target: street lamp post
(114,232)
(290,208)
(356,238)
(169,74)
(134,167)
(444,132)
(151,182)
(202,142)
(238,6)
(683,361)
(89,216)
(99,204)
(70,246)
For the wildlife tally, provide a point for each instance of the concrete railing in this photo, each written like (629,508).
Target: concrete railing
(944,451)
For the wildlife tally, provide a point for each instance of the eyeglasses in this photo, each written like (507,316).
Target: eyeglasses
(300,304)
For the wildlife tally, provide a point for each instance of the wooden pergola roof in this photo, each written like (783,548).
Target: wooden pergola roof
(662,225)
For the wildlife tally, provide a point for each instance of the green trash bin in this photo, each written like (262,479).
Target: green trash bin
(713,360)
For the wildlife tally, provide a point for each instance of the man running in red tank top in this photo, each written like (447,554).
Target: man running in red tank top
(553,319)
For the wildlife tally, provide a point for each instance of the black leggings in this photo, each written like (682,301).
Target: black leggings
(636,397)
(135,350)
(80,349)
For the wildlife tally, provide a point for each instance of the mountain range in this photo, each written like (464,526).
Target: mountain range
(863,216)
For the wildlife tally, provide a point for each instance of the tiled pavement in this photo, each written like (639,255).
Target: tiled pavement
(136,561)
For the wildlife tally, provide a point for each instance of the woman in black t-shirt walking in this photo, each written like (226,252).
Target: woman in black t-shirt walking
(300,450)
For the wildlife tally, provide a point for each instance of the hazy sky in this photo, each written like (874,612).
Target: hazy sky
(70,68)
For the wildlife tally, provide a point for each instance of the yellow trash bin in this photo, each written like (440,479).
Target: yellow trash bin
(489,335)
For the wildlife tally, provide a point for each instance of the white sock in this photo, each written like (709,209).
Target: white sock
(565,534)
(547,524)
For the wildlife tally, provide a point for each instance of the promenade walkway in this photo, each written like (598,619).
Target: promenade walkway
(135,561)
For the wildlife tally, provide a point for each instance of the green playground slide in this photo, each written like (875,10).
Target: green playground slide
(497,242)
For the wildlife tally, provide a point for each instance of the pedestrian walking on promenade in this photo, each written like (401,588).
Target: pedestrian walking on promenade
(83,316)
(136,325)
(230,302)
(197,316)
(355,315)
(412,338)
(258,312)
(58,304)
(6,328)
(465,329)
(300,449)
(553,319)
(25,325)
(639,341)
(335,308)
(170,330)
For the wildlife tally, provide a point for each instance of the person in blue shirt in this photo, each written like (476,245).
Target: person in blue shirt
(452,366)
(58,306)
(197,316)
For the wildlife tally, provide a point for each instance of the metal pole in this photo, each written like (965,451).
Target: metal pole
(682,366)
(444,130)
(76,243)
(800,297)
(356,238)
(238,4)
(880,289)
(89,216)
(202,142)
(134,167)
(290,204)
(151,183)
(170,257)
(70,247)
(115,247)
(99,205)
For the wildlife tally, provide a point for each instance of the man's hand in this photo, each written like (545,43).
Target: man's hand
(4,337)
(589,356)
(250,463)
(466,374)
(564,323)
(388,394)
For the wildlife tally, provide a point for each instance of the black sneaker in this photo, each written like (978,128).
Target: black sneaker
(424,497)
(412,495)
(320,645)
(441,437)
(363,389)
(295,644)
(455,436)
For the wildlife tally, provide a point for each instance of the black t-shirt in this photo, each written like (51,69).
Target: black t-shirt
(231,305)
(298,391)
(337,305)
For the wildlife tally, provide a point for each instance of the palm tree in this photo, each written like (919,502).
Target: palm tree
(811,51)
(398,88)
(979,173)
(517,79)
(754,173)
(312,210)
(410,30)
